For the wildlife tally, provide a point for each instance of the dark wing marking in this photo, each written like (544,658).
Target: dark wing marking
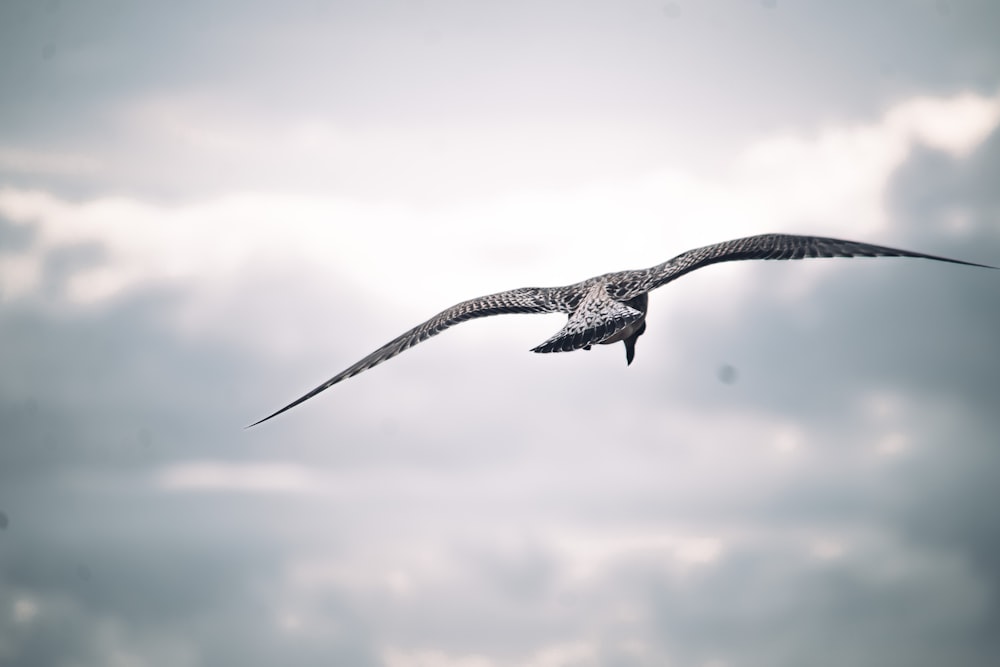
(596,318)
(523,300)
(773,246)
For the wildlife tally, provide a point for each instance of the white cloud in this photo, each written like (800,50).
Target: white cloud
(433,658)
(255,477)
(25,609)
(556,655)
(892,445)
(831,182)
(827,549)
(590,555)
(25,161)
(955,125)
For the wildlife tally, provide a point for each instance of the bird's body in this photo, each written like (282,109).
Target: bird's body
(611,308)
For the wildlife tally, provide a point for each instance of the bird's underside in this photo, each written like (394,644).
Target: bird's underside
(612,307)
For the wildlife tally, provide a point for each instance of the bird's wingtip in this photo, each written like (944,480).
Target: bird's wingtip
(270,416)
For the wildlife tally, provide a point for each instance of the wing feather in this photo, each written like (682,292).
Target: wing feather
(771,246)
(523,300)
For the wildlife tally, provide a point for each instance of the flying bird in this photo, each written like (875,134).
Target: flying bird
(611,308)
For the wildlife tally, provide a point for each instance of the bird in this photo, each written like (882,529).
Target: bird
(611,308)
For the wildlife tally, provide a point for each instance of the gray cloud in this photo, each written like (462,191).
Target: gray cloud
(831,503)
(148,562)
(445,72)
(766,608)
(14,238)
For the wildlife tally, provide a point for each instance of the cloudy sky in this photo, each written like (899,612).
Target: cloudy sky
(208,208)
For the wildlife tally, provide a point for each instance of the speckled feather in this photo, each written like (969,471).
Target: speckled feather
(597,308)
(595,318)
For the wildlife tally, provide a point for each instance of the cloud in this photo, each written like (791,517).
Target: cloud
(578,653)
(956,127)
(38,162)
(830,182)
(252,477)
(471,504)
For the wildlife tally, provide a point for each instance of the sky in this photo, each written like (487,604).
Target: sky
(208,208)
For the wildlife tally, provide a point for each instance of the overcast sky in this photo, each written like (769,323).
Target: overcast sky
(208,208)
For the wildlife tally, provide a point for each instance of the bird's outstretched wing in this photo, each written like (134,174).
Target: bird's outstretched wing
(772,246)
(523,300)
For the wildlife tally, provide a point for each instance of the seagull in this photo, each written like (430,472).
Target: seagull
(611,308)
